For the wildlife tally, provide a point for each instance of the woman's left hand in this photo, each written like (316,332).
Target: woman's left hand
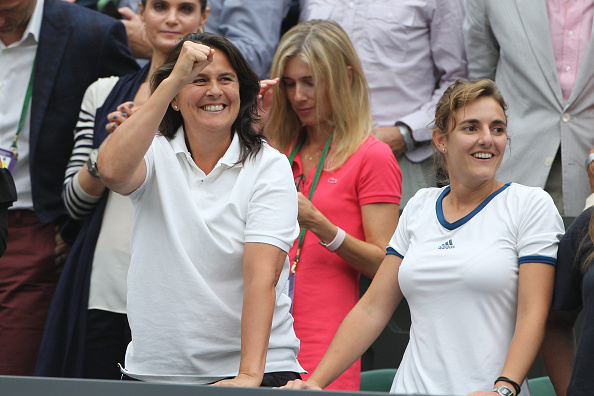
(265,99)
(242,380)
(308,213)
(121,114)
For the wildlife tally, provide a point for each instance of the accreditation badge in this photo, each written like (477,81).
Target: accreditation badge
(8,159)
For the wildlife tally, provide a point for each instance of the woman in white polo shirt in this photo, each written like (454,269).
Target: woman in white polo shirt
(216,213)
(475,261)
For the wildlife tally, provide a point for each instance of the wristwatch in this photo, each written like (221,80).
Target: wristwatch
(503,391)
(92,163)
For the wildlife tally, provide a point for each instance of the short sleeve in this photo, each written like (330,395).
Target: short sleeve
(539,230)
(380,178)
(149,160)
(400,241)
(272,209)
(568,276)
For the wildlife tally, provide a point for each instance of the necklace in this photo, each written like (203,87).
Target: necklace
(312,157)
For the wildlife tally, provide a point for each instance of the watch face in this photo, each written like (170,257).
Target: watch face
(504,391)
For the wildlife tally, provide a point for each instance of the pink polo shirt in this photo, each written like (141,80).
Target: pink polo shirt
(570,23)
(326,287)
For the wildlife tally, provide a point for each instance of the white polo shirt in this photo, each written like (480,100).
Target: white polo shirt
(185,285)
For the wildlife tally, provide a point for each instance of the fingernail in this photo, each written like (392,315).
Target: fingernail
(114,125)
(124,114)
(115,116)
(131,104)
(123,107)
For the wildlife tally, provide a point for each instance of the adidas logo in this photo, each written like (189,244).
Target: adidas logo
(447,245)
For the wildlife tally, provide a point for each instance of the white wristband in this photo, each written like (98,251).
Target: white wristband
(336,242)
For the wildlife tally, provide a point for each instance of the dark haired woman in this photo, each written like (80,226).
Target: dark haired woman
(87,329)
(216,213)
(475,261)
(570,368)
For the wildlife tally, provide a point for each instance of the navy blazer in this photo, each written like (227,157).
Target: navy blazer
(77,46)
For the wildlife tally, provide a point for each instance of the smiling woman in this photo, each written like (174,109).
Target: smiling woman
(216,213)
(95,273)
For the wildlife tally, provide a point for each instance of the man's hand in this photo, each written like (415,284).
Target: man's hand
(141,48)
(392,136)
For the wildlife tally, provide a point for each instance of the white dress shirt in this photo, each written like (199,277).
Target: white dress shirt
(16,61)
(406,48)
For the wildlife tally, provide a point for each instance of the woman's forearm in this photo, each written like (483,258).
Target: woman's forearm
(535,291)
(256,322)
(524,348)
(123,151)
(379,222)
(363,324)
(262,265)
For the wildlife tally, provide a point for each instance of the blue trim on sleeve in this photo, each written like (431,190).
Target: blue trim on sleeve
(390,250)
(465,219)
(537,259)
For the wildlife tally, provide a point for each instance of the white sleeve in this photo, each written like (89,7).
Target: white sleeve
(401,239)
(272,209)
(540,229)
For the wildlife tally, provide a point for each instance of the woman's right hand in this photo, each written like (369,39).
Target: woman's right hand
(299,384)
(122,113)
(192,59)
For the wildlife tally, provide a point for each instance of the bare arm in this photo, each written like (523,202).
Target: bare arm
(262,266)
(360,327)
(559,348)
(379,222)
(121,158)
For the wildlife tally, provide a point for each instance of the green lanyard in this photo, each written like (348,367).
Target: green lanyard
(28,95)
(314,184)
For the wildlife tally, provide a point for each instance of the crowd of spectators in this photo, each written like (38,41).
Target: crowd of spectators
(76,74)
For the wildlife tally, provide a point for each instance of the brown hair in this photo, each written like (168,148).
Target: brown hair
(249,87)
(458,95)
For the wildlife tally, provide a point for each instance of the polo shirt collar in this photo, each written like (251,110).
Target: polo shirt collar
(230,158)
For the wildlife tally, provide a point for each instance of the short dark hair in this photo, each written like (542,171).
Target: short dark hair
(249,87)
(202,5)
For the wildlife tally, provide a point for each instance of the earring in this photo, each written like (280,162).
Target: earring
(175,108)
(143,33)
(443,149)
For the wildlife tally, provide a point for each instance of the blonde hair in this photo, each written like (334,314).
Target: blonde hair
(458,95)
(326,49)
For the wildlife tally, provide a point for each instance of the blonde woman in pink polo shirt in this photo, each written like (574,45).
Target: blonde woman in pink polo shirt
(349,184)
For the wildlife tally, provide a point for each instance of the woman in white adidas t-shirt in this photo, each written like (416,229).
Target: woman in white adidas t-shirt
(475,261)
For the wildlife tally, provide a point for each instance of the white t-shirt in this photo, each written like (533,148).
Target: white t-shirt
(185,285)
(461,281)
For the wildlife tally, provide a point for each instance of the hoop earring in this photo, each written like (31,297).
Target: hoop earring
(143,32)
